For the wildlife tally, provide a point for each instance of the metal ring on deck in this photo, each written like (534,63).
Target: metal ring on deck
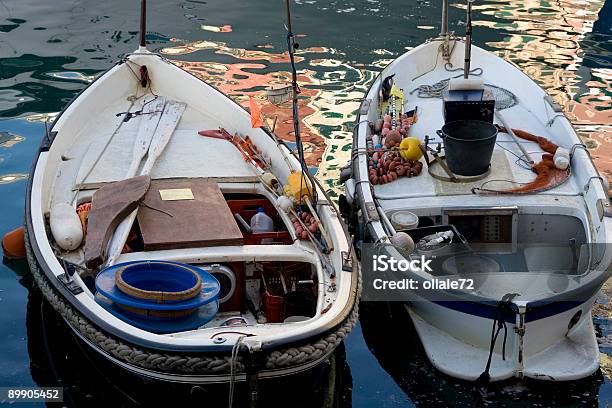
(451,177)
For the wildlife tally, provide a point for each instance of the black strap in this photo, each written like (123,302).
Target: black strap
(504,309)
(253,364)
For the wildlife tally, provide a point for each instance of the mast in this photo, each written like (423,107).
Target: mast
(468,41)
(143,23)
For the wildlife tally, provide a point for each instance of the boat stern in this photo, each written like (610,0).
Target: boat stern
(559,347)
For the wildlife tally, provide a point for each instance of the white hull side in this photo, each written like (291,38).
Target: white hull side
(457,344)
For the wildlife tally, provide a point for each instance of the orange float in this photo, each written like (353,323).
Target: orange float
(13,244)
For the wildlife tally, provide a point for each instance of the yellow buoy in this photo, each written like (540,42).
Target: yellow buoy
(298,185)
(410,150)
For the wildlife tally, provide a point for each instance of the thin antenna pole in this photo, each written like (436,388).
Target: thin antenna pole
(291,47)
(468,41)
(288,16)
(444,31)
(143,23)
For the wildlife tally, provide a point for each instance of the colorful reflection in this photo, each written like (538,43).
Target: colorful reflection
(544,39)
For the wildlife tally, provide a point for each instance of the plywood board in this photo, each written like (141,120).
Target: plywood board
(202,222)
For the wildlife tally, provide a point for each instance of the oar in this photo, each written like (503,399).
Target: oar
(165,128)
(149,118)
(173,111)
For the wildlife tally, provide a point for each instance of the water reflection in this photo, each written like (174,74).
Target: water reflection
(52,50)
(565,47)
(545,40)
(331,90)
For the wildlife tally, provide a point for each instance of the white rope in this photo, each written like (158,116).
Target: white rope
(235,351)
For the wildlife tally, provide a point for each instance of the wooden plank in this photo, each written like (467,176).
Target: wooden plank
(109,206)
(168,122)
(232,179)
(202,222)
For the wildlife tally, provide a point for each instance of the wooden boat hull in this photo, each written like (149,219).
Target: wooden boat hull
(277,349)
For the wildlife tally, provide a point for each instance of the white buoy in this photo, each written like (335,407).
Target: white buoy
(561,158)
(284,203)
(375,140)
(349,190)
(403,241)
(66,226)
(270,179)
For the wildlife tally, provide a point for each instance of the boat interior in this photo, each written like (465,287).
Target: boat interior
(266,278)
(537,243)
(501,250)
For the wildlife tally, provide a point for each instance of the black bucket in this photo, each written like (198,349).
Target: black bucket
(468,146)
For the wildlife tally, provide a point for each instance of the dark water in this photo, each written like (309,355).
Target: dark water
(51,50)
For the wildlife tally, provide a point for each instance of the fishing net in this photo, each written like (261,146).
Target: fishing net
(504,98)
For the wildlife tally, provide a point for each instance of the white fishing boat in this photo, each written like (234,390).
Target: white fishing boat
(528,220)
(166,172)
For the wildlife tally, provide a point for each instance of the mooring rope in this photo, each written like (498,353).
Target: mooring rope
(504,98)
(233,360)
(435,90)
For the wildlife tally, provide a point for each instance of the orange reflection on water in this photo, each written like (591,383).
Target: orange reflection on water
(545,40)
(242,80)
(222,48)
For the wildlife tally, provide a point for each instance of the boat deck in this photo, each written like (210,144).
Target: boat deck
(505,171)
(187,155)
